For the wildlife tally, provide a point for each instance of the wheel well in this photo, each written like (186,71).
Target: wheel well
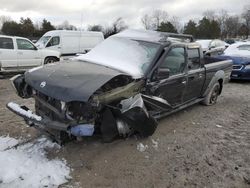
(57,59)
(221,84)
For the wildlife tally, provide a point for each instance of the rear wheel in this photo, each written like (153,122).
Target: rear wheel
(212,96)
(49,60)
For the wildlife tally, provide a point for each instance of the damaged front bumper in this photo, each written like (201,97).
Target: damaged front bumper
(119,112)
(44,123)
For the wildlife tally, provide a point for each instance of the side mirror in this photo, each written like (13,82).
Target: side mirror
(162,73)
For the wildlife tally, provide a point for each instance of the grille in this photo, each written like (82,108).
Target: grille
(237,67)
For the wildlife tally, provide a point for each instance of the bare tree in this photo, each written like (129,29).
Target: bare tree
(222,17)
(246,18)
(146,21)
(159,16)
(175,21)
(117,26)
(66,26)
(4,19)
(232,26)
(209,14)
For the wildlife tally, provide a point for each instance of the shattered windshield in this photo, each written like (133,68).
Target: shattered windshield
(131,56)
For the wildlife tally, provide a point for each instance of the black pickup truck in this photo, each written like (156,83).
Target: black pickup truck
(121,87)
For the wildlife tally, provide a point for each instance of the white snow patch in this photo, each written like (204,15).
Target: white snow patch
(155,144)
(28,166)
(141,147)
(6,142)
(219,126)
(21,111)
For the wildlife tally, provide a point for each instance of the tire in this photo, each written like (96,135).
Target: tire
(212,96)
(49,60)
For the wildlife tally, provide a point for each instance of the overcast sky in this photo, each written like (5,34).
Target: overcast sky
(85,12)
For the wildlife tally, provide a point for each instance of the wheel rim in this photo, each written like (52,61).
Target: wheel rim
(214,95)
(49,61)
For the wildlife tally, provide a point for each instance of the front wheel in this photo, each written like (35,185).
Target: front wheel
(49,60)
(212,96)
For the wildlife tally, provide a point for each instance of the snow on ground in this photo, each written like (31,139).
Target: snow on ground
(28,166)
(141,147)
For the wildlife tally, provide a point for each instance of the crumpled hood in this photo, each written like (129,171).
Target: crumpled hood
(70,81)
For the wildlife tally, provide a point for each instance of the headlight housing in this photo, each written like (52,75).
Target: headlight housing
(247,66)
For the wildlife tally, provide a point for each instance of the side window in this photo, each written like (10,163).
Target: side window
(6,43)
(212,44)
(193,59)
(244,47)
(53,41)
(175,61)
(23,44)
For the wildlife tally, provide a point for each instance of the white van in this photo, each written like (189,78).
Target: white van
(70,42)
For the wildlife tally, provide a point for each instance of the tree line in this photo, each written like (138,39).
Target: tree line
(212,25)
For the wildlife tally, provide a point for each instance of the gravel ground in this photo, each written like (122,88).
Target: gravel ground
(197,147)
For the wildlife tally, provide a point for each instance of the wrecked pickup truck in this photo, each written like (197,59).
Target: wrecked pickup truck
(121,87)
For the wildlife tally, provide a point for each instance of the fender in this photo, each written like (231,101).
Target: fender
(219,75)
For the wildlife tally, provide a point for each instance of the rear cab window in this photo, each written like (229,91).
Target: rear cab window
(194,60)
(6,43)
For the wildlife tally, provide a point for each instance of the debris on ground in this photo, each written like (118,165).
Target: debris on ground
(141,147)
(219,126)
(155,144)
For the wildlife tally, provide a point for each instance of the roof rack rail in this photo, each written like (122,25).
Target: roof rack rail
(178,36)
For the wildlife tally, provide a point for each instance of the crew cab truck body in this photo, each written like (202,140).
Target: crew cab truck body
(70,42)
(19,54)
(121,87)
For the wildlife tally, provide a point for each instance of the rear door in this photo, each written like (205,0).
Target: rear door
(172,89)
(28,55)
(195,75)
(8,55)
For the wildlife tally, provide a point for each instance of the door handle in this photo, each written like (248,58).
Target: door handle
(20,53)
(200,75)
(191,77)
(59,47)
(184,81)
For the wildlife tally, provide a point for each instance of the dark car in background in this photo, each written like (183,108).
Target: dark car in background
(239,53)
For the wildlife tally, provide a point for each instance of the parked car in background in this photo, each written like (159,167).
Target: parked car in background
(121,86)
(230,41)
(20,54)
(212,47)
(70,42)
(240,54)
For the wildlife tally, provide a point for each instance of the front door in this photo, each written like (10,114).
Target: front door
(27,54)
(54,44)
(172,89)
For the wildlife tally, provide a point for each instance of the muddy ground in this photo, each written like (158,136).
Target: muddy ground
(197,147)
